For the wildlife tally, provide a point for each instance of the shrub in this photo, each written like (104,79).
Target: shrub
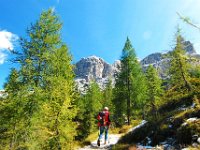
(189,129)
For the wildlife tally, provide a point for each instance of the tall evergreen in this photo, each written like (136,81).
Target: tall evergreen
(47,88)
(108,95)
(154,90)
(184,81)
(130,84)
(10,112)
(179,66)
(154,83)
(89,106)
(59,104)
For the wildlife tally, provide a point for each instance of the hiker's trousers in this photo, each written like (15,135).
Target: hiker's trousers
(102,130)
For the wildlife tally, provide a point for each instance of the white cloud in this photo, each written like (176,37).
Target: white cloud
(7,40)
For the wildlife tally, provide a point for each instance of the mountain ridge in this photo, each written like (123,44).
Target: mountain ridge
(94,68)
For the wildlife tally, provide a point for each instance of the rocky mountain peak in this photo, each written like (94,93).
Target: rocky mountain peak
(189,48)
(152,58)
(94,68)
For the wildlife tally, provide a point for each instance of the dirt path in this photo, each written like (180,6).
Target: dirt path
(112,139)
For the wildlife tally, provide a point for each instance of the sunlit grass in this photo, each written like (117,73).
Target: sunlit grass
(124,147)
(125,128)
(113,130)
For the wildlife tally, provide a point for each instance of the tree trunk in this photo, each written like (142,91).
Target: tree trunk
(128,95)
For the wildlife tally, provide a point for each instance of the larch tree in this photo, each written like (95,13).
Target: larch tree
(10,112)
(108,95)
(89,106)
(179,66)
(154,89)
(47,87)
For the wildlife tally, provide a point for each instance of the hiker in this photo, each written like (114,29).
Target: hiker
(103,123)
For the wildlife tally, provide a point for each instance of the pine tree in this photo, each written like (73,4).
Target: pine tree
(130,84)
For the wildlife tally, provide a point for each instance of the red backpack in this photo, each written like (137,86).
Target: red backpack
(103,118)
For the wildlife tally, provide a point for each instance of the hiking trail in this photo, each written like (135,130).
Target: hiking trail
(112,138)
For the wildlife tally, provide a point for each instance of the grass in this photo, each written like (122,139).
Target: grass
(193,148)
(125,128)
(124,147)
(113,130)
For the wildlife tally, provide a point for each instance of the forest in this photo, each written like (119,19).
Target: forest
(44,110)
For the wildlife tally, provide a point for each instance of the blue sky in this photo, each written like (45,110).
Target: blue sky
(100,27)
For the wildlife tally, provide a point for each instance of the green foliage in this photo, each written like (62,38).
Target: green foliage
(89,107)
(130,88)
(154,84)
(195,71)
(123,147)
(10,112)
(154,90)
(189,129)
(179,67)
(41,95)
(137,135)
(108,96)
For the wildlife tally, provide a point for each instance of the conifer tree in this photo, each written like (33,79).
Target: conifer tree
(153,83)
(130,84)
(46,93)
(179,67)
(108,96)
(10,112)
(183,82)
(154,90)
(89,106)
(58,129)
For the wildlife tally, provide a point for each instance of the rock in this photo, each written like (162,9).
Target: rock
(198,140)
(152,59)
(94,68)
(189,48)
(161,62)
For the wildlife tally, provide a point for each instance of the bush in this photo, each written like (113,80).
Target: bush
(187,130)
